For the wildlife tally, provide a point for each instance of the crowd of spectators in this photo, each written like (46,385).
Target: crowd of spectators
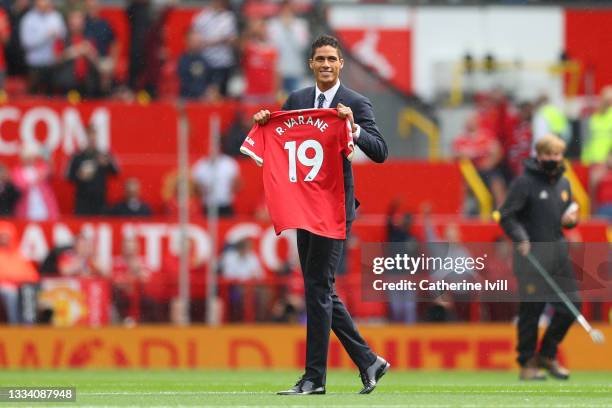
(75,48)
(500,134)
(139,293)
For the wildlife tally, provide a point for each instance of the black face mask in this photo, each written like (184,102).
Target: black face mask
(549,166)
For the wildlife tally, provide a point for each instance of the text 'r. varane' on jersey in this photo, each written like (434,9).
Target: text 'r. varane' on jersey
(302,154)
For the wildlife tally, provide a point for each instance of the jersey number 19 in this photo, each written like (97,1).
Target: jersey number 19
(315,162)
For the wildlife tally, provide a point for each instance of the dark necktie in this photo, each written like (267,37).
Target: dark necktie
(321,100)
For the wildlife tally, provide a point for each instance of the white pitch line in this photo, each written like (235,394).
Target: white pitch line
(173,393)
(351,406)
(518,391)
(369,405)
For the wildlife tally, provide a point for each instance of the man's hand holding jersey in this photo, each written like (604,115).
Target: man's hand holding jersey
(347,112)
(262,117)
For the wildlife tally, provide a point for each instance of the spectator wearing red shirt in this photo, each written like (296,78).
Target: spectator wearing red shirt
(495,114)
(481,147)
(259,64)
(79,261)
(79,58)
(163,288)
(518,146)
(601,188)
(170,196)
(155,52)
(130,274)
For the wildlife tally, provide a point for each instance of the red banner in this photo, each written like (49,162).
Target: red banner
(159,241)
(143,138)
(159,238)
(76,301)
(383,44)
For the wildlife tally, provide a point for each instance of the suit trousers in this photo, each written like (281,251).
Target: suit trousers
(319,259)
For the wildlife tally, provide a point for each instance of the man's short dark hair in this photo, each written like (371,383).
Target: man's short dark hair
(324,40)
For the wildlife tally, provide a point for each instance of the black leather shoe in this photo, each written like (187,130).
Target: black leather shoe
(373,374)
(304,387)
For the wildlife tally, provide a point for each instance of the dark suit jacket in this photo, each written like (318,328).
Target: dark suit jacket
(370,140)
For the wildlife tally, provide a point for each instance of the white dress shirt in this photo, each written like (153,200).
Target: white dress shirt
(329,97)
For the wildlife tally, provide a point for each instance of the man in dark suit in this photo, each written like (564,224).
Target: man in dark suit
(320,256)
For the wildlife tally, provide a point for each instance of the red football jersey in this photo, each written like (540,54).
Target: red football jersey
(302,153)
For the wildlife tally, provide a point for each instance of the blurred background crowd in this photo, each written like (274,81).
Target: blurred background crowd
(55,49)
(253,53)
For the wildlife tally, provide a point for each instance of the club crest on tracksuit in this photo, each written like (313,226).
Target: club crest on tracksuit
(543,195)
(564,196)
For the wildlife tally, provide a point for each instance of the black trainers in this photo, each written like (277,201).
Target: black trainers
(373,374)
(553,367)
(304,387)
(530,371)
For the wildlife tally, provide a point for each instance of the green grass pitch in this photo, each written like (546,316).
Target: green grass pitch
(256,388)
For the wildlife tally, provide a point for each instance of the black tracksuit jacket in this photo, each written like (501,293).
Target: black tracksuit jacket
(535,204)
(532,212)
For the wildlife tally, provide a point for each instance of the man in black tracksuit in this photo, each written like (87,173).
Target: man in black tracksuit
(533,214)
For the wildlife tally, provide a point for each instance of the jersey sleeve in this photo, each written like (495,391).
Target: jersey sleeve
(347,146)
(253,145)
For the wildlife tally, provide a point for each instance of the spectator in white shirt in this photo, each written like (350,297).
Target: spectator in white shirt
(218,30)
(41,28)
(218,179)
(290,35)
(241,263)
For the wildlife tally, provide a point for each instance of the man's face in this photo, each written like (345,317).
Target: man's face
(132,188)
(91,139)
(326,65)
(130,247)
(194,41)
(43,5)
(76,21)
(92,7)
(83,246)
